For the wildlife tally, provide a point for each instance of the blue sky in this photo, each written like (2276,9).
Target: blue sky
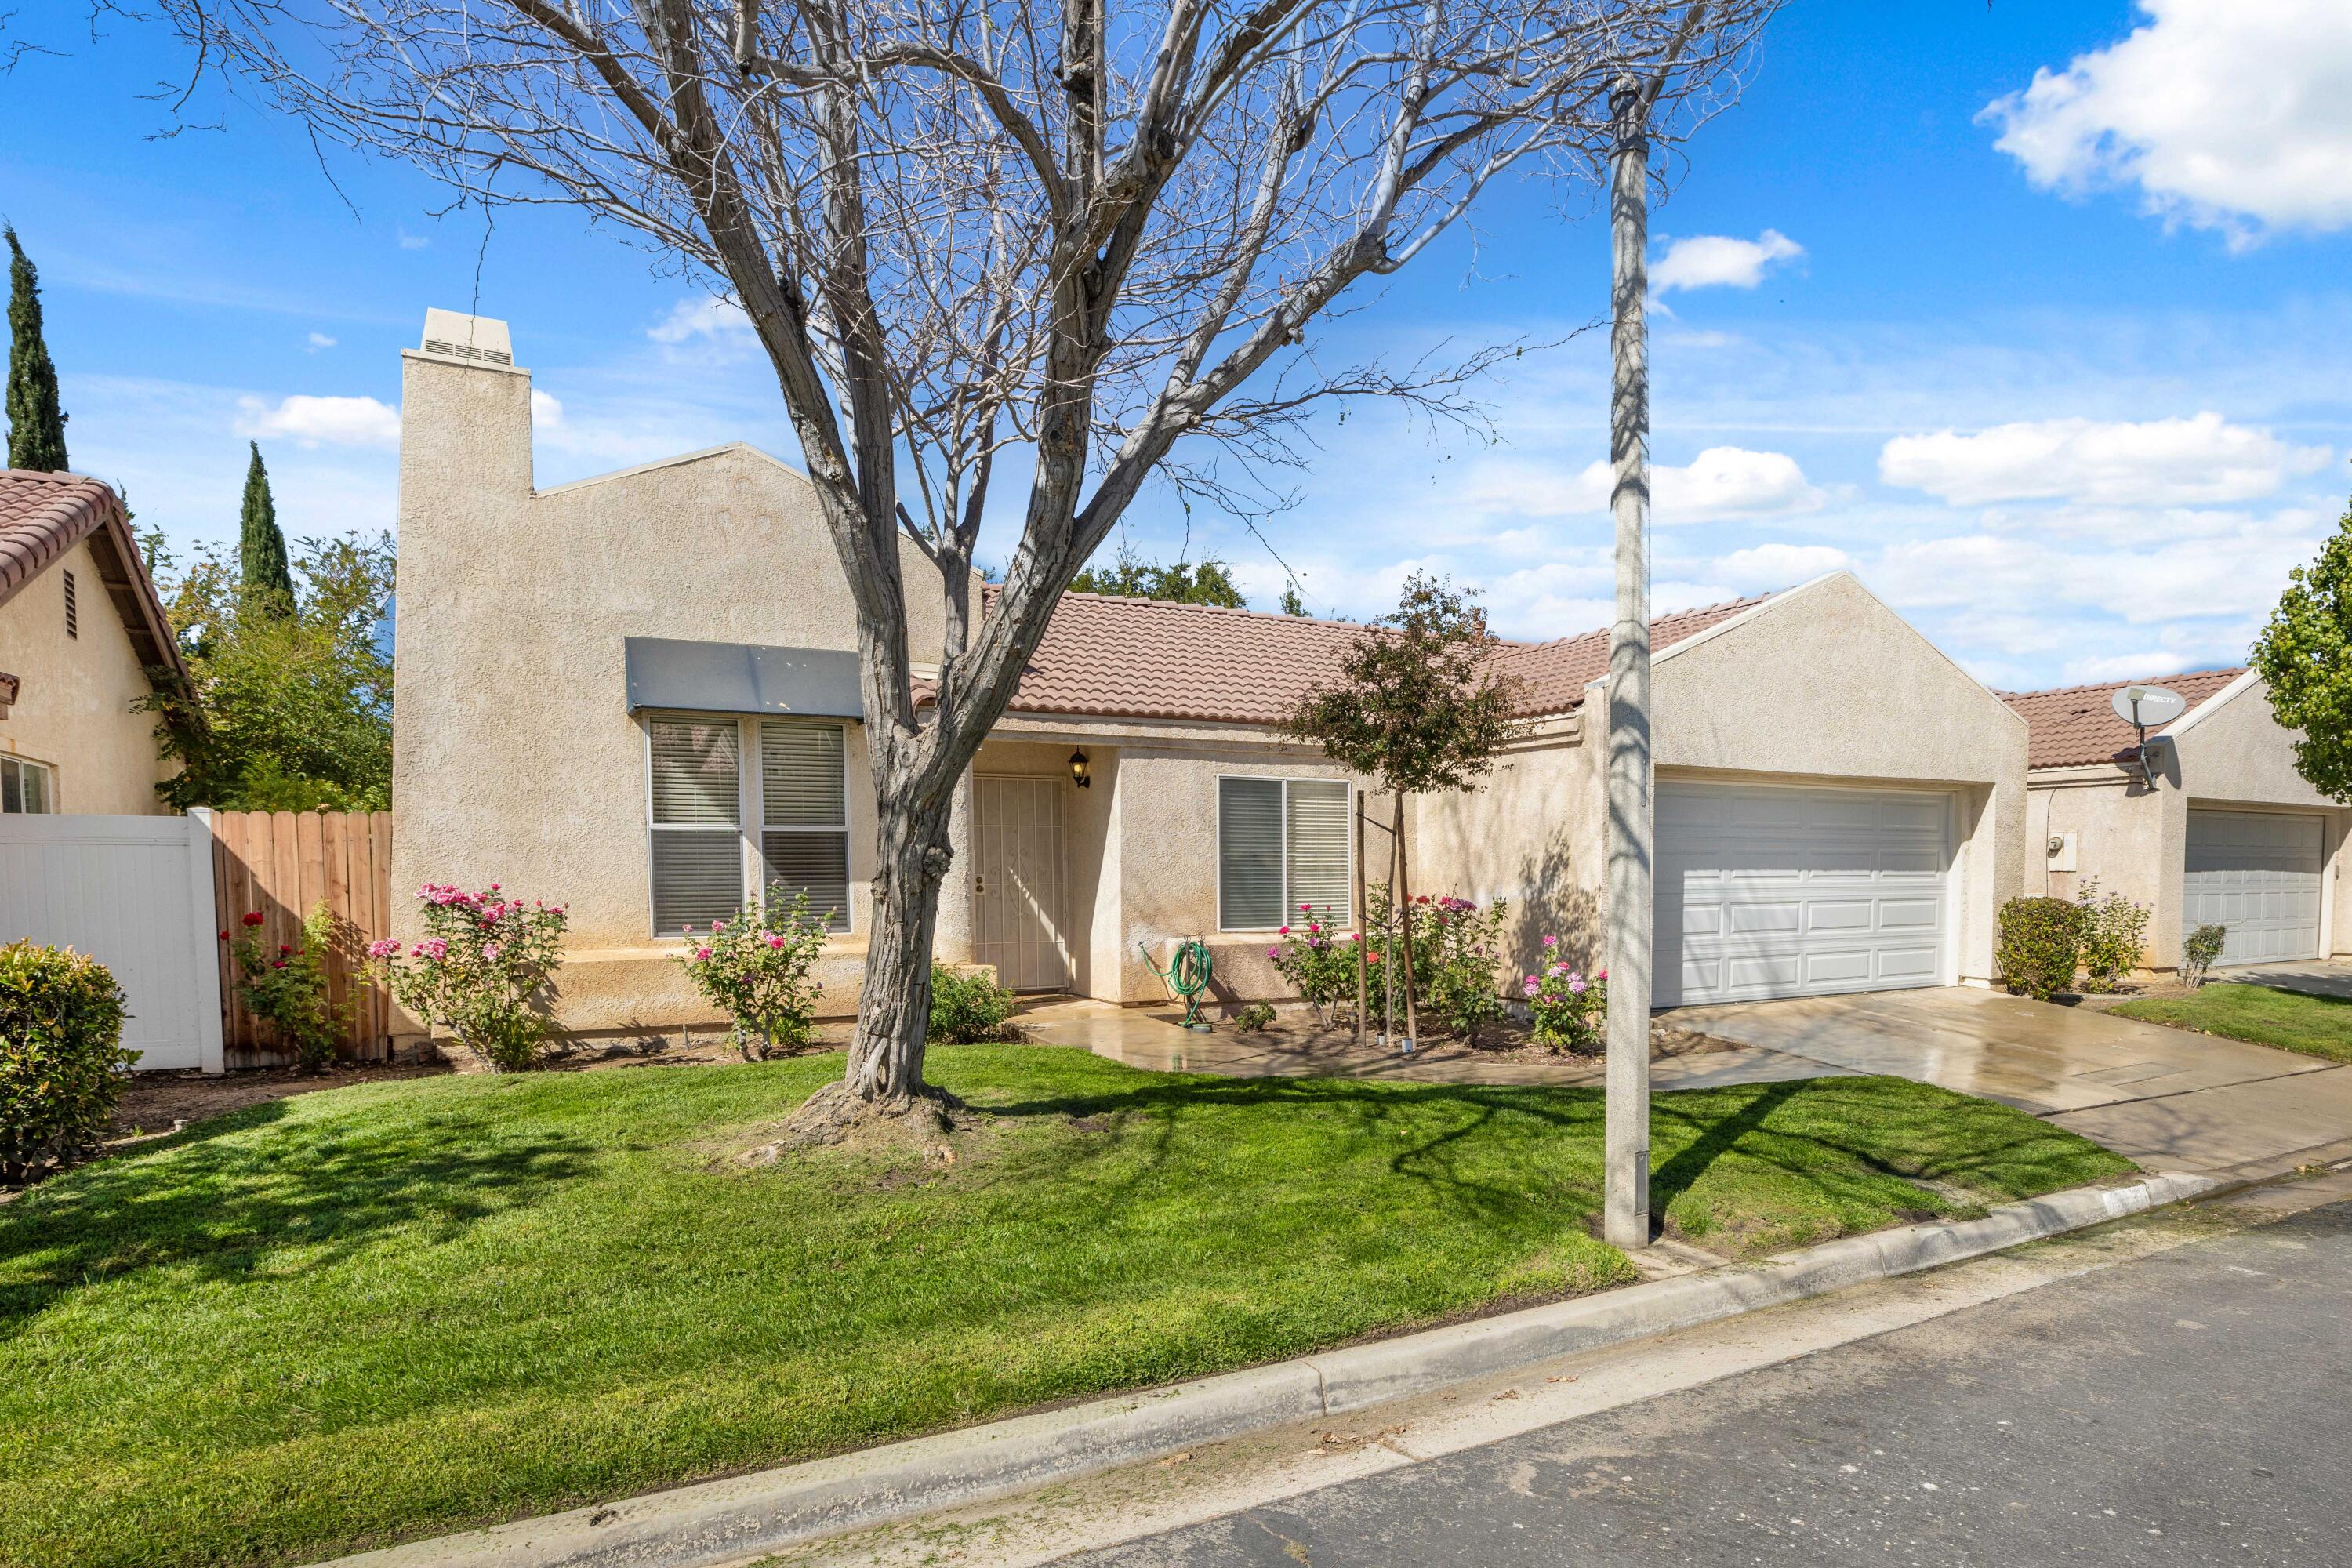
(2035,314)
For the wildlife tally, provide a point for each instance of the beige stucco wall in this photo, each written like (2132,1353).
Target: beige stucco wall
(75,711)
(515,758)
(1823,685)
(1141,845)
(2133,840)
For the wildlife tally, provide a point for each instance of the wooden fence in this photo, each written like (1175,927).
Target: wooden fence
(285,863)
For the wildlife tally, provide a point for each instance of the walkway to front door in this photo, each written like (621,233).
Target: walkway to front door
(1019,893)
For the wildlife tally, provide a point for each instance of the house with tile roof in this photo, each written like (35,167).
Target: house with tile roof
(2213,827)
(638,694)
(82,640)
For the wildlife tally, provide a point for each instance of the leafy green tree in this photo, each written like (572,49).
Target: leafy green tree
(2304,656)
(36,423)
(1292,604)
(1130,576)
(285,709)
(1418,705)
(261,563)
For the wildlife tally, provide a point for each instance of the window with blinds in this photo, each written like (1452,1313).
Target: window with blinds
(805,818)
(698,836)
(24,787)
(781,824)
(1281,843)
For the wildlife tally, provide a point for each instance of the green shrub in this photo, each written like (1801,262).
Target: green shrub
(2198,953)
(755,969)
(2115,930)
(62,1064)
(1254,1018)
(967,1008)
(2041,945)
(484,972)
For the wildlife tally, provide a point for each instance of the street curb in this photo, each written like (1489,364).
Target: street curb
(722,1521)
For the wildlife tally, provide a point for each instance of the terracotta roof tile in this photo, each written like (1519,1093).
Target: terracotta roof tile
(1147,658)
(44,515)
(2071,726)
(1556,673)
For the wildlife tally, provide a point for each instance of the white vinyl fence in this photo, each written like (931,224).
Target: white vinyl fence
(136,894)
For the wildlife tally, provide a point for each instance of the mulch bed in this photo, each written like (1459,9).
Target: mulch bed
(1507,1040)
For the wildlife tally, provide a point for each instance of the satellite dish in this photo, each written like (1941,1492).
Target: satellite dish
(2149,707)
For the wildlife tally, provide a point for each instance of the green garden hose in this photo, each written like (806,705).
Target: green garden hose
(1186,976)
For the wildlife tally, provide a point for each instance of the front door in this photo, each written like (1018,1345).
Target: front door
(1017,904)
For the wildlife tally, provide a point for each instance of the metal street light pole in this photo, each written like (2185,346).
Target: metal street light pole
(1630,826)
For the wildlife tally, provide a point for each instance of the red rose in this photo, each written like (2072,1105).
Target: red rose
(224,936)
(284,948)
(254,917)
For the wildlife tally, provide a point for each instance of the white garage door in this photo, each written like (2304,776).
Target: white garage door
(1764,893)
(2257,874)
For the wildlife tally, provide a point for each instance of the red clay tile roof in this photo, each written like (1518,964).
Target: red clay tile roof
(2071,726)
(1556,673)
(44,515)
(1147,659)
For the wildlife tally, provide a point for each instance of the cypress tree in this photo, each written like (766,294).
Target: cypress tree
(37,424)
(260,547)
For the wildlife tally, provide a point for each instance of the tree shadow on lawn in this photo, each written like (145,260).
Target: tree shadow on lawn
(227,1207)
(1855,1143)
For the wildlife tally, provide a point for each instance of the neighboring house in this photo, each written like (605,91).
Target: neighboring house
(2228,834)
(80,630)
(1838,802)
(637,695)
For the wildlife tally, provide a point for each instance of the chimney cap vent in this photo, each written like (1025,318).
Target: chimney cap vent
(472,340)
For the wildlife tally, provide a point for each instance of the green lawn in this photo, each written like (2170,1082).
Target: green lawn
(381,1313)
(2315,1026)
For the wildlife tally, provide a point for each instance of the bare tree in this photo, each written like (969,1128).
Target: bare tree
(1083,242)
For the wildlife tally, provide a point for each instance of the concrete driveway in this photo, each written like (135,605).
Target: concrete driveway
(2167,1098)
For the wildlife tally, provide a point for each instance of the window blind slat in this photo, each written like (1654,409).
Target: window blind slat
(1317,824)
(1249,854)
(694,767)
(801,782)
(815,863)
(698,876)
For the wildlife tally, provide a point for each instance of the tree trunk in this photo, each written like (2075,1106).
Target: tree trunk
(1404,902)
(894,1010)
(1363,920)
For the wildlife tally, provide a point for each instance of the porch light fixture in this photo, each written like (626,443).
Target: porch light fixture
(1078,770)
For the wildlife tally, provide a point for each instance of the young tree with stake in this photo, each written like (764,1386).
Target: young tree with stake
(1093,240)
(1418,705)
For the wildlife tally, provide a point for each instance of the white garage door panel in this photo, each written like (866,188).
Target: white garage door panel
(2258,874)
(1765,891)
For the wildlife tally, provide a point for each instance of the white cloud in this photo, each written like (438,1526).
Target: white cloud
(1779,565)
(319,341)
(1720,261)
(546,412)
(1724,482)
(1720,483)
(2148,666)
(314,421)
(2158,462)
(414,241)
(705,317)
(2229,115)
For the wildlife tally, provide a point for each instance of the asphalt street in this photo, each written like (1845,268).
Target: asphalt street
(2190,1407)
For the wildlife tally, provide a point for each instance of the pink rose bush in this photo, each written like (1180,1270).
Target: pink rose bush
(482,972)
(1570,1012)
(756,969)
(1456,948)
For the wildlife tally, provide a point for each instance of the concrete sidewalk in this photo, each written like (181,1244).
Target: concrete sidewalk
(2169,1098)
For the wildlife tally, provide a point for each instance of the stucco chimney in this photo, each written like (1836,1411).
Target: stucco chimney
(465,416)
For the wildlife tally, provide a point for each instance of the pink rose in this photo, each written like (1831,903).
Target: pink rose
(490,951)
(1284,932)
(702,952)
(1273,952)
(1576,987)
(1530,987)
(383,949)
(775,940)
(1551,942)
(1601,976)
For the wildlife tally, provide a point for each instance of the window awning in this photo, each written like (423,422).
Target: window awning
(739,678)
